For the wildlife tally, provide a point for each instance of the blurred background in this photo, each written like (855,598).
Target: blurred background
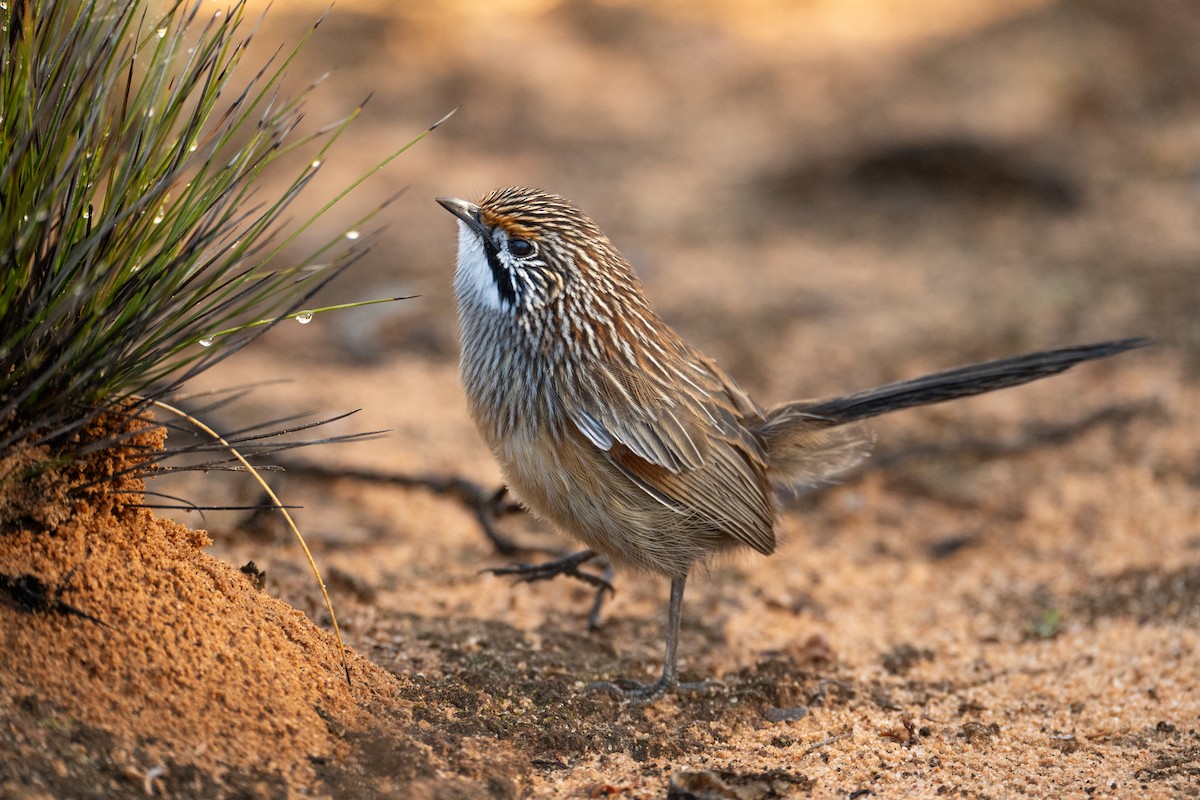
(822,195)
(933,180)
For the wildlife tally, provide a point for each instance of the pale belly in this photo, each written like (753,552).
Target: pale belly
(570,482)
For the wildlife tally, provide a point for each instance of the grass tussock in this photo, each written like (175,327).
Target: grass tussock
(132,232)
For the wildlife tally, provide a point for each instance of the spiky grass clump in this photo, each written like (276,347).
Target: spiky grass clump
(130,228)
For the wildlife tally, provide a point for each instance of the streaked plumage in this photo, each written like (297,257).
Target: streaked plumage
(607,423)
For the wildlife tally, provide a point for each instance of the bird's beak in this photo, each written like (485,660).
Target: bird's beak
(467,212)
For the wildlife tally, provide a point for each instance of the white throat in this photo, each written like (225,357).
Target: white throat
(473,280)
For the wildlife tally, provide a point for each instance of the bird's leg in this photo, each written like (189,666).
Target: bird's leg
(644,693)
(569,566)
(598,602)
(670,675)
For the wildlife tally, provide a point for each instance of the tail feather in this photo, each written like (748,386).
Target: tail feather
(960,382)
(809,441)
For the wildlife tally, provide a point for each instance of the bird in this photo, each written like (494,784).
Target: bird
(605,422)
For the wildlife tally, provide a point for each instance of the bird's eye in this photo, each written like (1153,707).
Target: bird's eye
(521,247)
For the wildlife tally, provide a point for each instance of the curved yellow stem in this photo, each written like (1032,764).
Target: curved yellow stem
(278,505)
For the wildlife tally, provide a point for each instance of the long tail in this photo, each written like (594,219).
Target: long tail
(961,382)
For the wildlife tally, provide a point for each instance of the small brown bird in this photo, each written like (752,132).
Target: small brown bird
(605,422)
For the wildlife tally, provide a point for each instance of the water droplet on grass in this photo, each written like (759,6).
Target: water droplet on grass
(206,341)
(304,317)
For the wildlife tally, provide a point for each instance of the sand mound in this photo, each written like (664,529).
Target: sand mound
(118,621)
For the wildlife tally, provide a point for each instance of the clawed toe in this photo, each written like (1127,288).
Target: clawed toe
(636,693)
(569,566)
(632,691)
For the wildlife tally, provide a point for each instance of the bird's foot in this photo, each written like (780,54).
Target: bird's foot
(636,693)
(569,566)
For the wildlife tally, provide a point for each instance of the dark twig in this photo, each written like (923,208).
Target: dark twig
(569,566)
(487,505)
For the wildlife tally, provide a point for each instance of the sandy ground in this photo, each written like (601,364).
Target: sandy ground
(1003,602)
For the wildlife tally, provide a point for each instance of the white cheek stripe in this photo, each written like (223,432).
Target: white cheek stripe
(473,278)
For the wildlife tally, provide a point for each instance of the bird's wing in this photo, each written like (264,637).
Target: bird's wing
(683,442)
